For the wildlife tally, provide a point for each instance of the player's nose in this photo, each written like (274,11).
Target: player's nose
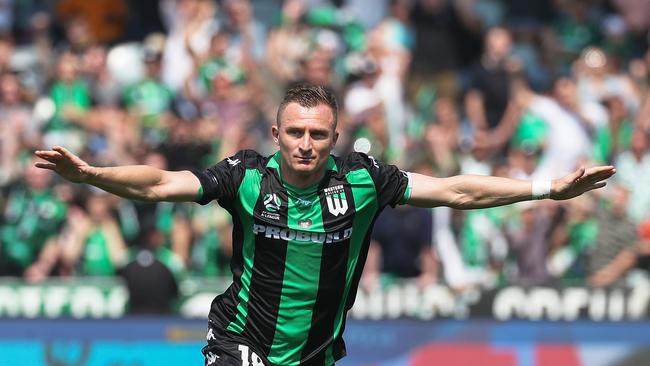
(305,142)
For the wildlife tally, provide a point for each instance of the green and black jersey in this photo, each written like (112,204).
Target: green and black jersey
(298,254)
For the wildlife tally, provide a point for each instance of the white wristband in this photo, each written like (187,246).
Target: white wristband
(541,189)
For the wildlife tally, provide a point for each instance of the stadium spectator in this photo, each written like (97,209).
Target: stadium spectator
(576,28)
(211,242)
(489,92)
(528,232)
(17,127)
(365,107)
(94,245)
(443,136)
(615,249)
(440,25)
(289,42)
(71,99)
(571,241)
(246,34)
(189,23)
(634,168)
(406,253)
(105,20)
(567,141)
(172,219)
(104,89)
(32,220)
(152,274)
(7,48)
(149,101)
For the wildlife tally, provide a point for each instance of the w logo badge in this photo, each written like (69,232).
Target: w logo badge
(337,204)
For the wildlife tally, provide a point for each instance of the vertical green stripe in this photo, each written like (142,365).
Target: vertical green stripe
(329,356)
(365,202)
(249,192)
(299,288)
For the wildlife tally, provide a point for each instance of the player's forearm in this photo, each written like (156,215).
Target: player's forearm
(133,182)
(468,191)
(475,191)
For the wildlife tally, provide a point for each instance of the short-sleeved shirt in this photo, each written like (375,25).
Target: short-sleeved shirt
(298,253)
(31,218)
(615,234)
(73,94)
(402,233)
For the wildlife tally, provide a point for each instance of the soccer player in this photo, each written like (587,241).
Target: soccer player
(302,222)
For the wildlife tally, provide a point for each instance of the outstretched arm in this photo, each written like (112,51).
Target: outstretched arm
(474,191)
(139,182)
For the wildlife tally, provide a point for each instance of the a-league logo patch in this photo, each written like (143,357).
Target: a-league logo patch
(272,202)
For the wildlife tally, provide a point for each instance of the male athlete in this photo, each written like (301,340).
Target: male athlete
(302,222)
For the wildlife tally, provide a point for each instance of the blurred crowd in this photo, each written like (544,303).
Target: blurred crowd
(523,89)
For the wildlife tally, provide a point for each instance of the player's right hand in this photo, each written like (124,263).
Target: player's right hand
(64,163)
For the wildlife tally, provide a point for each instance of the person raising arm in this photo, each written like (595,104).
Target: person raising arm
(146,183)
(137,182)
(302,223)
(475,191)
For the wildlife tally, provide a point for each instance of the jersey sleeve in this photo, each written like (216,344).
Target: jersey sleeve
(392,184)
(221,181)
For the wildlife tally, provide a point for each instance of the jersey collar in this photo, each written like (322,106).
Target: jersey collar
(274,163)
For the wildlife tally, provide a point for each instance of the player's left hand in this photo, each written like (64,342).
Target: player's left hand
(581,181)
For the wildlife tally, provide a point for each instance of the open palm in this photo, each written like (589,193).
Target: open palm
(581,181)
(64,163)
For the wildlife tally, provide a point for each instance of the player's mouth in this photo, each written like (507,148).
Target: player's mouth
(305,159)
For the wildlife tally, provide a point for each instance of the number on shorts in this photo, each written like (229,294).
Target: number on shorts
(247,357)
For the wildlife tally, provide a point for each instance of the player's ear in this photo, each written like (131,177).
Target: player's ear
(335,138)
(275,131)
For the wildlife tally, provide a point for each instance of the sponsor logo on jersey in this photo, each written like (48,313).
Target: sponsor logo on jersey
(211,358)
(274,232)
(305,224)
(374,162)
(233,162)
(337,203)
(210,335)
(302,203)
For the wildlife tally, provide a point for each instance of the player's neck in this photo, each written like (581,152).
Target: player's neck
(301,180)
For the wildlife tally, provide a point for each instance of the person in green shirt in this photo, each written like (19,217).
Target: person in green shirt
(94,245)
(217,63)
(212,245)
(71,99)
(32,219)
(149,101)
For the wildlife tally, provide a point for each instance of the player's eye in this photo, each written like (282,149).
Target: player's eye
(294,133)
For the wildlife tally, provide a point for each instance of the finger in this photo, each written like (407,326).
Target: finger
(596,186)
(52,158)
(577,174)
(601,169)
(601,175)
(49,166)
(47,154)
(65,152)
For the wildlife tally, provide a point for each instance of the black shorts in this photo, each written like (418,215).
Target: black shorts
(224,349)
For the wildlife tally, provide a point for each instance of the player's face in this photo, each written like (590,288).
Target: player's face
(306,137)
